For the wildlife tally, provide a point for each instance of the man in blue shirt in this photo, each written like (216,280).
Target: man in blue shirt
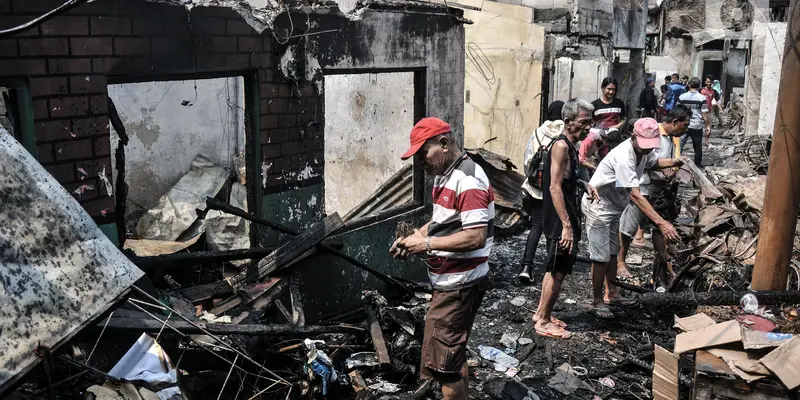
(674,92)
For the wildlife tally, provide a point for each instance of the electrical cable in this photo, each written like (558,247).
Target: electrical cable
(50,14)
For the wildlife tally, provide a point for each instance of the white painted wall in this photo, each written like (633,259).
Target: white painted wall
(587,75)
(774,38)
(368,118)
(165,136)
(503,77)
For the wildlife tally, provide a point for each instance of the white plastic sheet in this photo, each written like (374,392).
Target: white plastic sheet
(147,361)
(176,210)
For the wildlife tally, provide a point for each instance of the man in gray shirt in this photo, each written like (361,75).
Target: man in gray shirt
(699,106)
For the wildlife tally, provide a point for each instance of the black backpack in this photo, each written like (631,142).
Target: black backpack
(536,178)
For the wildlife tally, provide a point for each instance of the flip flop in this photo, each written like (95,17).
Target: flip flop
(623,302)
(553,320)
(602,312)
(557,334)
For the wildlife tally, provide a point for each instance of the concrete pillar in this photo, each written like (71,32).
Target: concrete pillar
(635,82)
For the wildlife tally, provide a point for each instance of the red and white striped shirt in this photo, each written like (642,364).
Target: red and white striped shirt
(462,199)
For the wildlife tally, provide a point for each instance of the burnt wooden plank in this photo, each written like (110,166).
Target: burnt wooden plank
(289,252)
(256,310)
(152,325)
(207,291)
(377,336)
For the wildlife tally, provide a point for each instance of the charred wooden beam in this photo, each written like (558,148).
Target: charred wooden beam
(168,261)
(260,303)
(377,336)
(227,208)
(151,325)
(289,252)
(208,291)
(707,188)
(688,299)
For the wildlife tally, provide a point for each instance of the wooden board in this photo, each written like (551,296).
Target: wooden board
(152,325)
(665,375)
(377,337)
(289,252)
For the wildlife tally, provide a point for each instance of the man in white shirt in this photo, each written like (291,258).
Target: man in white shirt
(617,180)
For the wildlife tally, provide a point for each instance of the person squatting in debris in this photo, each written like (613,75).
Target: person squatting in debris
(458,241)
(561,214)
(609,111)
(648,102)
(663,195)
(532,196)
(698,104)
(617,181)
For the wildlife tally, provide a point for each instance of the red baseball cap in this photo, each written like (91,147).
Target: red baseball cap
(425,129)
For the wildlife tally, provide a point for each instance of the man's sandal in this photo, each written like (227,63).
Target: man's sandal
(560,333)
(602,312)
(553,320)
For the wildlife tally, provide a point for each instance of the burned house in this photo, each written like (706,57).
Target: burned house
(188,79)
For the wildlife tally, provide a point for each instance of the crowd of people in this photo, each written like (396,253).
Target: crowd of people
(584,171)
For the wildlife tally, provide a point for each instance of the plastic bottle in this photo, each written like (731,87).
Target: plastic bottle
(500,358)
(749,303)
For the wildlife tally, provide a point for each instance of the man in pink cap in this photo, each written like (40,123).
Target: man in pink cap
(455,244)
(619,180)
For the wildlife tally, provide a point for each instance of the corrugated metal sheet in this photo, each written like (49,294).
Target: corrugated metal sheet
(396,191)
(57,269)
(506,182)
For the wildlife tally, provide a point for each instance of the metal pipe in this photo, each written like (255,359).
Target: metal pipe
(782,195)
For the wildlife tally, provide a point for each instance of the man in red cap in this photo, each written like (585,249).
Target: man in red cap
(618,180)
(456,244)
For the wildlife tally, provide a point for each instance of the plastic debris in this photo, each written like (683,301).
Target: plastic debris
(502,361)
(518,301)
(512,372)
(319,364)
(749,303)
(570,301)
(608,382)
(509,340)
(385,387)
(524,341)
(363,359)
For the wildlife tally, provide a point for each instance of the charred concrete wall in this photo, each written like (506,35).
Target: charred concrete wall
(421,38)
(70,60)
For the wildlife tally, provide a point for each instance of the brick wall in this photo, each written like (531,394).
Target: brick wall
(71,58)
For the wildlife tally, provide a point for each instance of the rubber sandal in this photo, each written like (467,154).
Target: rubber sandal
(553,320)
(602,312)
(623,302)
(558,334)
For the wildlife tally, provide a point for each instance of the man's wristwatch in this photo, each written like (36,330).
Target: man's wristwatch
(428,244)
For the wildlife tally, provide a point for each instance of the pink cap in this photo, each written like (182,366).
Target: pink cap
(646,132)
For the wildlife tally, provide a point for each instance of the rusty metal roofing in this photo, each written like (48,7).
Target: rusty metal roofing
(58,271)
(399,190)
(396,191)
(506,182)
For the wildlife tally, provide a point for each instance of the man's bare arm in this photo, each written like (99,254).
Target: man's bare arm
(558,162)
(589,165)
(664,163)
(641,202)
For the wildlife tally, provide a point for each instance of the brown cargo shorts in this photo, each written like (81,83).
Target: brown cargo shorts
(447,326)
